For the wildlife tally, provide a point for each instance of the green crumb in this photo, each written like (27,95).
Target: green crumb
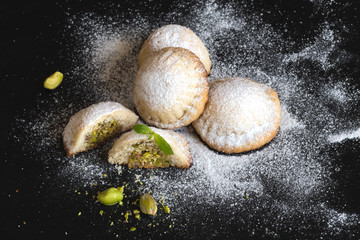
(126,216)
(166,209)
(101,212)
(170,226)
(79,213)
(137,216)
(112,224)
(136,201)
(132,229)
(136,211)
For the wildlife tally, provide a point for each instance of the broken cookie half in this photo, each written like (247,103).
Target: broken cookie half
(92,126)
(141,151)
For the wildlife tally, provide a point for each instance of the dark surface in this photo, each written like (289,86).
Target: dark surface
(31,36)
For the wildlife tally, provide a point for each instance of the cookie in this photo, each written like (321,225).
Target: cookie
(174,36)
(171,88)
(92,126)
(137,151)
(241,115)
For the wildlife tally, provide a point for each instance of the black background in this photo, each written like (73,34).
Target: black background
(31,33)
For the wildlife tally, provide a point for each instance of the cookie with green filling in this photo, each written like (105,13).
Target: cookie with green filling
(94,125)
(138,151)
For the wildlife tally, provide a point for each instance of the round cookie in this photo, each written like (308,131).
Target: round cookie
(171,88)
(174,36)
(241,115)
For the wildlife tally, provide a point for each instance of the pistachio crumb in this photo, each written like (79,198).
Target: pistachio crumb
(132,229)
(136,211)
(79,213)
(101,212)
(166,209)
(112,224)
(126,216)
(170,226)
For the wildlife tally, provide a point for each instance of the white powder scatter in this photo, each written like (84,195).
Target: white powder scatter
(319,51)
(345,135)
(338,220)
(338,94)
(289,170)
(288,121)
(341,93)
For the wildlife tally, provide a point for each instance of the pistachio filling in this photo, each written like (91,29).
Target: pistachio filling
(148,155)
(102,132)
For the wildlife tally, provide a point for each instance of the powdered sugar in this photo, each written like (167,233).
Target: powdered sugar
(345,135)
(287,121)
(285,179)
(319,51)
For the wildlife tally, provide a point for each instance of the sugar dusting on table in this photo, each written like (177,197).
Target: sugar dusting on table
(290,168)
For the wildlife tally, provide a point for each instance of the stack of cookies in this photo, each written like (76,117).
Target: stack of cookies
(171,90)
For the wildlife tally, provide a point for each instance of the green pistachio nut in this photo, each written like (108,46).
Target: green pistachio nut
(110,196)
(148,204)
(53,81)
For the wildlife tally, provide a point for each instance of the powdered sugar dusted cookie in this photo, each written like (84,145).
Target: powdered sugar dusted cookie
(241,115)
(171,88)
(137,151)
(174,36)
(95,124)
